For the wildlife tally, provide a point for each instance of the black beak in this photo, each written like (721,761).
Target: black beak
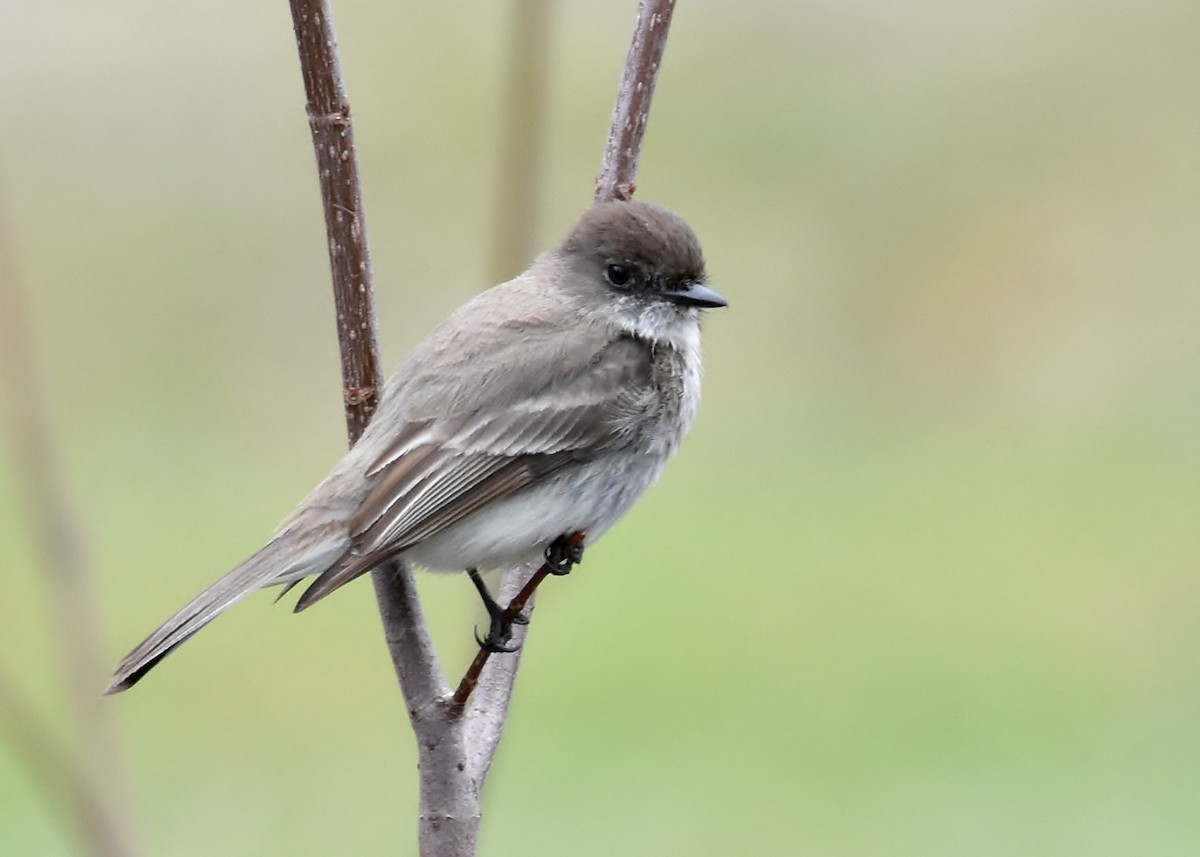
(696,294)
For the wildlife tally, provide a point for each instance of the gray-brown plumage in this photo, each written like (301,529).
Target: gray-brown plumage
(543,406)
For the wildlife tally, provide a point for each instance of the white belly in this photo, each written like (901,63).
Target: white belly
(518,529)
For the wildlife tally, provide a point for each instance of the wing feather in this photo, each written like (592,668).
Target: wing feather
(439,471)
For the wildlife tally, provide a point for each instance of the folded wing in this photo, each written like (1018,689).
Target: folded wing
(438,471)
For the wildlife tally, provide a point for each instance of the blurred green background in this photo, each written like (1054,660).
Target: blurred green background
(922,582)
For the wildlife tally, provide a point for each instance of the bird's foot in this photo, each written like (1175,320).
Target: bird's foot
(564,553)
(499,626)
(497,639)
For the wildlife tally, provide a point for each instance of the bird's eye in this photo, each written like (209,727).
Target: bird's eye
(618,275)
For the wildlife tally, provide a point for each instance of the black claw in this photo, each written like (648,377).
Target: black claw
(563,554)
(496,640)
(499,628)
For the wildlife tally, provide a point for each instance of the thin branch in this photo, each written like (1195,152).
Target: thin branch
(618,169)
(528,583)
(341,196)
(354,300)
(407,636)
(488,711)
(492,680)
(448,822)
(105,822)
(333,139)
(516,604)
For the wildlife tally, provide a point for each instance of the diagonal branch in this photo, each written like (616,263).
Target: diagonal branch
(618,169)
(517,599)
(493,681)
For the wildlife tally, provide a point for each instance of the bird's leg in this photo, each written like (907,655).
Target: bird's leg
(499,627)
(563,554)
(491,604)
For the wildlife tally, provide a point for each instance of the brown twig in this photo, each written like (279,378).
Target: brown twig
(328,107)
(341,197)
(104,820)
(515,605)
(618,169)
(471,677)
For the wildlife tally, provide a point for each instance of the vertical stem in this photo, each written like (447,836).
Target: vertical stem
(341,197)
(449,805)
(354,300)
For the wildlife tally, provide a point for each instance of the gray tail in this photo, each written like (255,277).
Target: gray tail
(279,561)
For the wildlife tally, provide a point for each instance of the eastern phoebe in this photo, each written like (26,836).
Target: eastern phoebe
(542,407)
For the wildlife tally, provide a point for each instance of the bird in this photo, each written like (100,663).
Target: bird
(541,408)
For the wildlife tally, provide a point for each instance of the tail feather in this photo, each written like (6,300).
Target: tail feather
(346,569)
(280,560)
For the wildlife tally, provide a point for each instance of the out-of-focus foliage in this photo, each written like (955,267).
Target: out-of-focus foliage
(924,580)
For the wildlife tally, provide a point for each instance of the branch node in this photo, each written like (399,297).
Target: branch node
(356,396)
